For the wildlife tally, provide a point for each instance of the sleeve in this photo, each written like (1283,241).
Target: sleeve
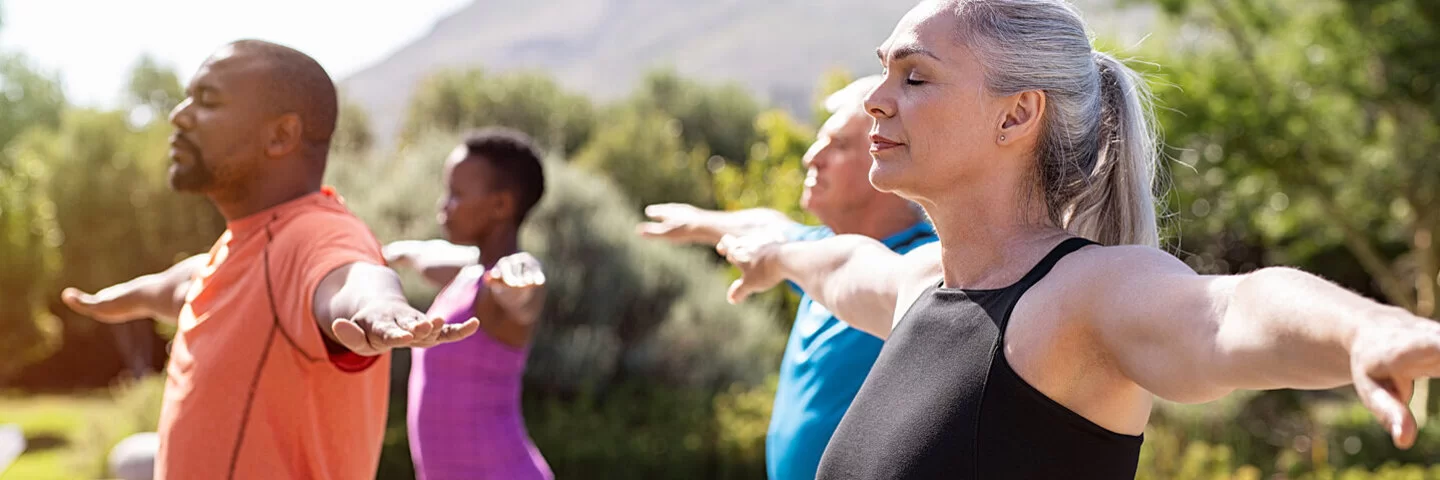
(317,244)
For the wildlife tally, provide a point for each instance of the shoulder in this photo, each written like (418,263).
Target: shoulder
(1100,265)
(1116,285)
(320,227)
(323,239)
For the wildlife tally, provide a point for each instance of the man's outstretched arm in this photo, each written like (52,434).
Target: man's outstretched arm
(158,295)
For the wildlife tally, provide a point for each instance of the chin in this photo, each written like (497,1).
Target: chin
(179,182)
(885,179)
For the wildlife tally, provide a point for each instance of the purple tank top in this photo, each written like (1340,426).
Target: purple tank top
(464,407)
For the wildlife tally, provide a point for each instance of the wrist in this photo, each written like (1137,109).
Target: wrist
(1381,318)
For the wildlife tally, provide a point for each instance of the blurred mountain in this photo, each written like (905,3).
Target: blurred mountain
(776,48)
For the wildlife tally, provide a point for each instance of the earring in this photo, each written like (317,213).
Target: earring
(1002,137)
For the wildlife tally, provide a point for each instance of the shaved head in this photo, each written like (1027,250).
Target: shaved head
(295,83)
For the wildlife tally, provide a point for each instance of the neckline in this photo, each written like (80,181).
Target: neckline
(1039,270)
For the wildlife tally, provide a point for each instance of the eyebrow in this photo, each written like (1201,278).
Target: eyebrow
(904,52)
(197,90)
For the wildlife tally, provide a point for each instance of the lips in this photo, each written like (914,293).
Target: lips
(879,143)
(178,145)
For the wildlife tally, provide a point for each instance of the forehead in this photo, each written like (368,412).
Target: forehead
(848,121)
(456,156)
(229,65)
(468,167)
(931,25)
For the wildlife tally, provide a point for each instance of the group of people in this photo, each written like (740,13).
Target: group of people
(986,298)
(279,367)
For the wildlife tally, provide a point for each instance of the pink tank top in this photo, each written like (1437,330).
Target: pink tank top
(464,407)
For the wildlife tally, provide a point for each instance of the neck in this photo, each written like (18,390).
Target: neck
(499,243)
(879,221)
(988,240)
(260,196)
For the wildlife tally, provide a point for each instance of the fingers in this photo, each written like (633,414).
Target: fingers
(654,229)
(352,337)
(398,253)
(1420,361)
(77,300)
(113,304)
(459,331)
(723,247)
(417,325)
(675,222)
(1387,399)
(425,330)
(387,334)
(663,211)
(516,271)
(739,291)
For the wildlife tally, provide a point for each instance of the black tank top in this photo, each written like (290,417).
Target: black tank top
(942,402)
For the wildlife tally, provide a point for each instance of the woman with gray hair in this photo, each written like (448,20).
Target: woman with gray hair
(1029,343)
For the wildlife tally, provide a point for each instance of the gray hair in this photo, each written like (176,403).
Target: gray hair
(852,95)
(1097,151)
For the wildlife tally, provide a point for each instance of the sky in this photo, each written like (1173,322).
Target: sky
(91,44)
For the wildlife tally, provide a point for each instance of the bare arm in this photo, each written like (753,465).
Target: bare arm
(683,223)
(438,261)
(159,295)
(1195,338)
(361,306)
(856,277)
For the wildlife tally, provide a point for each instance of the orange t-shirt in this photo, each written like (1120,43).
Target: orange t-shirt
(252,391)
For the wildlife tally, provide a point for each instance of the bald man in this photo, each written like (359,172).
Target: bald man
(279,367)
(825,359)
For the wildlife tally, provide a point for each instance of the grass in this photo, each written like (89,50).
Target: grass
(52,425)
(68,436)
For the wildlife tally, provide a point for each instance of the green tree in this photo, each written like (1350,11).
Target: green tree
(154,87)
(28,233)
(530,102)
(719,117)
(1327,103)
(1308,132)
(28,98)
(28,260)
(352,130)
(774,174)
(117,218)
(644,153)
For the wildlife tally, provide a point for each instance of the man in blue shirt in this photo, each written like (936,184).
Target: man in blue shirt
(825,360)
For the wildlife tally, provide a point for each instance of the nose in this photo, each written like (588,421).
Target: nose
(880,102)
(179,116)
(811,156)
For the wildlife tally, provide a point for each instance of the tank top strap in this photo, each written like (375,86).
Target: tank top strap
(1003,302)
(1070,245)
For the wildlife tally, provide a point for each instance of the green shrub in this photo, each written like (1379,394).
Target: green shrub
(135,408)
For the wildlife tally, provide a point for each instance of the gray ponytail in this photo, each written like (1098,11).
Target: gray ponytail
(1096,156)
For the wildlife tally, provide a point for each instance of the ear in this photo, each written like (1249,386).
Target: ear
(285,134)
(505,204)
(1023,117)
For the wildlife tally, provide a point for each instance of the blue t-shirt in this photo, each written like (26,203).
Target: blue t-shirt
(825,363)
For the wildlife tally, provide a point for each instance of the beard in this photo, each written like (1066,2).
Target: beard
(193,176)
